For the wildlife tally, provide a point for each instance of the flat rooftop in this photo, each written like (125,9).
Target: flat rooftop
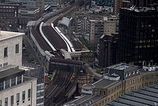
(104,83)
(7,34)
(9,70)
(122,66)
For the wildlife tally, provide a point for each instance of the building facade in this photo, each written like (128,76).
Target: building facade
(96,31)
(106,50)
(110,24)
(11,48)
(116,6)
(103,2)
(15,89)
(138,36)
(111,86)
(8,15)
(29,3)
(142,3)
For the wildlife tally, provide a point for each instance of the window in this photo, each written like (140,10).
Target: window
(1,85)
(17,48)
(12,100)
(23,95)
(19,80)
(40,94)
(40,100)
(40,87)
(6,101)
(6,52)
(0,102)
(17,97)
(7,83)
(13,81)
(29,93)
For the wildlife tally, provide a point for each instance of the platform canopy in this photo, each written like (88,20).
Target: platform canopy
(65,21)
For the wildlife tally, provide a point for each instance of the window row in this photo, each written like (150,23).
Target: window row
(10,82)
(15,99)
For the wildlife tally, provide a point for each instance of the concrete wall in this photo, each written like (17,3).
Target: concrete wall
(12,58)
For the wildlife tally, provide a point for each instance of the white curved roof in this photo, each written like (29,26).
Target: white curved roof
(65,21)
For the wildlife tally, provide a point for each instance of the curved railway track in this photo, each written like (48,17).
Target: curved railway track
(62,86)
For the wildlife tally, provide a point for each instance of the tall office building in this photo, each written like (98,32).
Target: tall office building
(96,31)
(142,3)
(138,35)
(107,49)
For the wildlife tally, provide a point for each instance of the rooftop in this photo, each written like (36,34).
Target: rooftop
(104,83)
(144,97)
(65,21)
(8,71)
(84,100)
(122,66)
(7,34)
(141,9)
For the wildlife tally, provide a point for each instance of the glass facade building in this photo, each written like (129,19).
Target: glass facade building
(138,36)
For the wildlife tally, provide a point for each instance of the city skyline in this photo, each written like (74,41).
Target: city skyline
(98,53)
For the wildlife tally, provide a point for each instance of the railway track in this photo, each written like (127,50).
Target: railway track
(62,86)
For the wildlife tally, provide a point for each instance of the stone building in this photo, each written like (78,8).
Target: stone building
(117,80)
(11,48)
(15,88)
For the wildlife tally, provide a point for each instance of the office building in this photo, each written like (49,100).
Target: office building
(10,48)
(28,3)
(107,49)
(99,26)
(96,31)
(52,2)
(138,35)
(8,15)
(142,3)
(116,6)
(26,15)
(15,88)
(110,24)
